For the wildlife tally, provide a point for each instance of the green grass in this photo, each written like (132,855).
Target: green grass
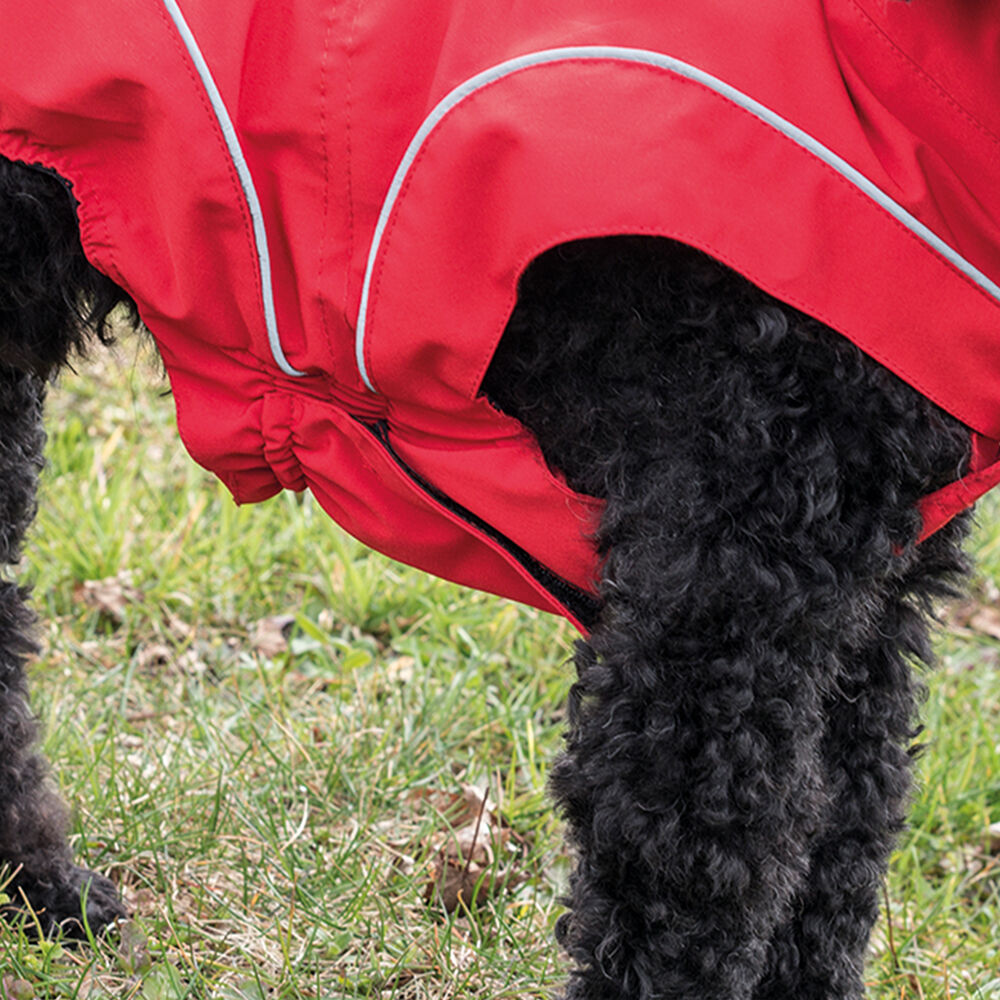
(275,815)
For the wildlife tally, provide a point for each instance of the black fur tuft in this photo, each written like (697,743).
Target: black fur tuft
(51,300)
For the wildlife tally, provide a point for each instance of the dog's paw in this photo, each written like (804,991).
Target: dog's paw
(57,905)
(104,905)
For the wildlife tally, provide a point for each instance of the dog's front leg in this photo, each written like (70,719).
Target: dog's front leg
(33,845)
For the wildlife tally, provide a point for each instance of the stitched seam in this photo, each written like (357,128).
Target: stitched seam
(216,128)
(919,70)
(349,150)
(324,146)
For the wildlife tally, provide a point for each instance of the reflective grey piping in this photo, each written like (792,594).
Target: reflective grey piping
(682,69)
(246,182)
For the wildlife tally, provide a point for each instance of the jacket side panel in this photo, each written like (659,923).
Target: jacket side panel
(577,149)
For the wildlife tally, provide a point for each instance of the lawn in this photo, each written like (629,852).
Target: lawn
(267,734)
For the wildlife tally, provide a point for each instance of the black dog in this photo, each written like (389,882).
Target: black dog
(738,757)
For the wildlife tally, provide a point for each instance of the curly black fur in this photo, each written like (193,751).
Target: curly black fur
(50,299)
(737,763)
(738,757)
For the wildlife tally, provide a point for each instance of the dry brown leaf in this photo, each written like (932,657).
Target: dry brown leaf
(478,802)
(192,664)
(466,868)
(176,626)
(477,842)
(133,948)
(270,635)
(458,809)
(401,669)
(110,596)
(985,620)
(154,656)
(447,804)
(455,884)
(15,989)
(993,842)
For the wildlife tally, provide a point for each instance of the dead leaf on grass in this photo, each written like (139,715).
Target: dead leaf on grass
(454,884)
(154,656)
(985,620)
(461,808)
(177,626)
(468,867)
(270,635)
(401,669)
(192,664)
(133,948)
(111,596)
(15,989)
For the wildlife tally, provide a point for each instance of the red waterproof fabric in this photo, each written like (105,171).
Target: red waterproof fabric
(842,154)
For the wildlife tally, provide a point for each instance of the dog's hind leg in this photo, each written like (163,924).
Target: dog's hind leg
(761,479)
(737,766)
(870,727)
(691,781)
(33,845)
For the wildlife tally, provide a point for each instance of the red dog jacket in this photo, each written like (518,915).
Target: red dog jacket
(322,211)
